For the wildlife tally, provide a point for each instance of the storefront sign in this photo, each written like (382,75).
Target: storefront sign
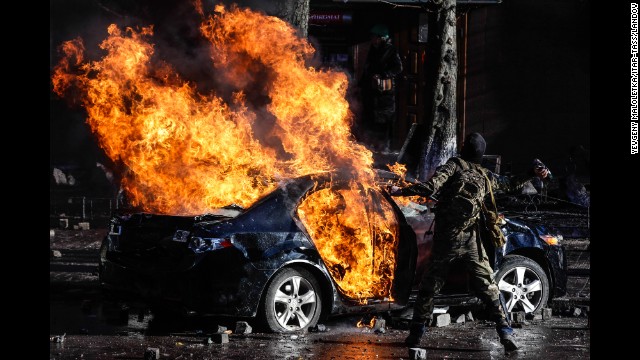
(329,18)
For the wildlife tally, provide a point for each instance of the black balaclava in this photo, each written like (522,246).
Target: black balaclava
(473,148)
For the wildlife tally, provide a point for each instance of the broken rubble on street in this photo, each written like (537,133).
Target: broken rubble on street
(122,331)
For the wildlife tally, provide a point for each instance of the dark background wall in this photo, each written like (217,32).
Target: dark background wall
(528,84)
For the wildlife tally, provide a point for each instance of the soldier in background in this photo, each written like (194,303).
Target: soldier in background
(460,185)
(378,83)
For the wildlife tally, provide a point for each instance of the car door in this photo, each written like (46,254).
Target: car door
(406,250)
(363,239)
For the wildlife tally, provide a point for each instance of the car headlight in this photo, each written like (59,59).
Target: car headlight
(200,244)
(551,239)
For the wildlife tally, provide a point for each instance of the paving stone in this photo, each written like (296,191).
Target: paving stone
(418,353)
(443,320)
(242,327)
(152,354)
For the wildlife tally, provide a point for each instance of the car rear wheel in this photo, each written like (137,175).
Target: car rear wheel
(292,301)
(523,284)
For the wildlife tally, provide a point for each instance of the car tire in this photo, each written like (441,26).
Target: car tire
(523,283)
(293,301)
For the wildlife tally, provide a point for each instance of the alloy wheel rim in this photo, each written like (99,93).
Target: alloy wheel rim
(294,303)
(522,289)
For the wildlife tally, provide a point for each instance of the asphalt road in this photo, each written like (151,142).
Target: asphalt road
(100,329)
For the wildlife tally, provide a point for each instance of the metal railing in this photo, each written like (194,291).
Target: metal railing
(94,210)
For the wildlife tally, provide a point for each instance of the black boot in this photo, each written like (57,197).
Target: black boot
(506,337)
(416,330)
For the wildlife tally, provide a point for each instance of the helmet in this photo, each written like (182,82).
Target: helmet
(380,30)
(473,148)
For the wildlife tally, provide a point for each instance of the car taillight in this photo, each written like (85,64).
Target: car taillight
(199,244)
(551,239)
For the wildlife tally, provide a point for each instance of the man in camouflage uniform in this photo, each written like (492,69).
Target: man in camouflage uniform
(455,237)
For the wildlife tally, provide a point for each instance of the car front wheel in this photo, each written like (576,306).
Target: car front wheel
(523,284)
(292,301)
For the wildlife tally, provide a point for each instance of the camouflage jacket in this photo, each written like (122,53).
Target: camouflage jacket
(436,187)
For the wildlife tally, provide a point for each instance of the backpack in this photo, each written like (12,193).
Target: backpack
(463,194)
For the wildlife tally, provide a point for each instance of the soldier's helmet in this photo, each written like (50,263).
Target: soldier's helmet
(380,30)
(473,148)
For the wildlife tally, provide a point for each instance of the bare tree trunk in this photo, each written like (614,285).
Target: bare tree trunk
(295,12)
(440,143)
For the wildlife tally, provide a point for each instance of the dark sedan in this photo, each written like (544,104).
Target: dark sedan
(315,247)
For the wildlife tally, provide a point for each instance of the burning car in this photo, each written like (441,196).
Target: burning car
(316,246)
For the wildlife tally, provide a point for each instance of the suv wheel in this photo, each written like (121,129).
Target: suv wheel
(523,284)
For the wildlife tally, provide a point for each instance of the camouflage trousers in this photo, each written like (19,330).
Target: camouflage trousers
(450,245)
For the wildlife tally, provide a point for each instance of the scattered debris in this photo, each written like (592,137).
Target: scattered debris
(318,328)
(518,316)
(469,316)
(52,234)
(443,320)
(460,319)
(294,337)
(64,223)
(83,225)
(577,312)
(417,354)
(379,326)
(221,329)
(440,309)
(58,338)
(529,189)
(242,327)
(152,354)
(56,253)
(546,313)
(537,317)
(218,338)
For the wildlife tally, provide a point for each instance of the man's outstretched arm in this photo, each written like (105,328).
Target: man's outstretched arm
(431,186)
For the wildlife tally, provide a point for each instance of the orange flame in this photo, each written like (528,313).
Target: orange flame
(371,323)
(356,234)
(188,152)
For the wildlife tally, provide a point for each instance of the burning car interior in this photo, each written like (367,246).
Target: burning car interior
(295,227)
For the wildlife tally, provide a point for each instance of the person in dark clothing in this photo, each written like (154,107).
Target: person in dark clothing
(460,186)
(378,83)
